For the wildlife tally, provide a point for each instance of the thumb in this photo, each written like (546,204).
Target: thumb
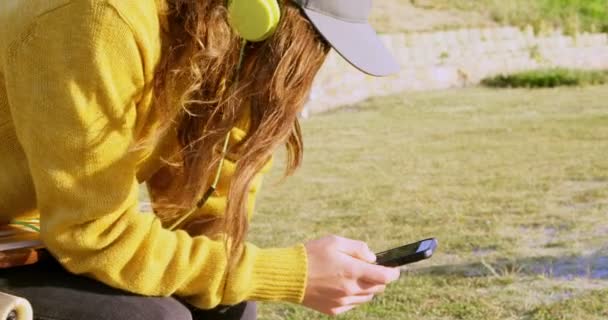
(357,249)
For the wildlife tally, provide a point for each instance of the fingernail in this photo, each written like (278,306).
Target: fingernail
(371,257)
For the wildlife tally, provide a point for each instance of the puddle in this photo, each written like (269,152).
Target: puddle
(595,267)
(569,267)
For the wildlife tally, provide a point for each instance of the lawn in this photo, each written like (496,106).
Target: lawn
(571,15)
(513,183)
(411,15)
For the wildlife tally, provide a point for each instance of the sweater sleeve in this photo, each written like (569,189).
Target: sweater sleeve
(74,81)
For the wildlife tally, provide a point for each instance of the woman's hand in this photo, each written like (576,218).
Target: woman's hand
(341,275)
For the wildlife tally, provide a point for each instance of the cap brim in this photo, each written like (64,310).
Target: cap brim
(358,43)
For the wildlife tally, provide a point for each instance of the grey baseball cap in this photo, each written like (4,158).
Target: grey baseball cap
(344,24)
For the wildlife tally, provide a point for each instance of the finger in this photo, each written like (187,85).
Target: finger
(370,288)
(356,249)
(354,300)
(340,310)
(379,274)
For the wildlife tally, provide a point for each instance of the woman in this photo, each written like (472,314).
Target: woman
(97,96)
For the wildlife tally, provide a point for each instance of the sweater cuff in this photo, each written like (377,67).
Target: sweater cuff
(280,275)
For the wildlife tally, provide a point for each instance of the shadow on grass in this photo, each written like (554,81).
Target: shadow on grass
(594,266)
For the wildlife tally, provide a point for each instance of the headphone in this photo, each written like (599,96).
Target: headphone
(254,20)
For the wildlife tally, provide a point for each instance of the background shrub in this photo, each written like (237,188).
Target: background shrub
(547,78)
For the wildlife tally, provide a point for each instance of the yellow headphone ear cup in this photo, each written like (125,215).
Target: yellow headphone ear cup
(254,20)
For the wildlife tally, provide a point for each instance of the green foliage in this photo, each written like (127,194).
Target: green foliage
(589,15)
(548,78)
(571,15)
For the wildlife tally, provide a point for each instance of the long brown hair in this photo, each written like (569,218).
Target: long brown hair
(199,68)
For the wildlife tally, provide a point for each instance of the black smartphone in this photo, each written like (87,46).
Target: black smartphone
(408,253)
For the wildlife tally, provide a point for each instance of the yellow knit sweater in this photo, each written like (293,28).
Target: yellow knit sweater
(74,92)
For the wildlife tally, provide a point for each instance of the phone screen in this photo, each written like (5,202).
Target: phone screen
(416,251)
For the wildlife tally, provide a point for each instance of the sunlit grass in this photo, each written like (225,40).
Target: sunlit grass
(570,15)
(513,183)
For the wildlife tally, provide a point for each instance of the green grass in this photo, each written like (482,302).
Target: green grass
(548,78)
(589,306)
(571,15)
(513,183)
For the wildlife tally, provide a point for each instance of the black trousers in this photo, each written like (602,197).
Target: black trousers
(56,294)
